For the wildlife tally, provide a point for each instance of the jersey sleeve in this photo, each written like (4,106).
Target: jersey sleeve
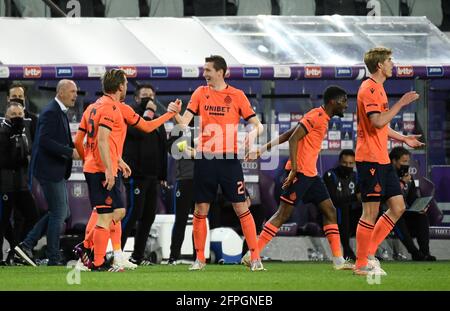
(129,115)
(245,108)
(370,101)
(194,103)
(308,122)
(107,119)
(83,126)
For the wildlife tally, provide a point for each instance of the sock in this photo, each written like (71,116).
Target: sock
(89,233)
(334,239)
(249,229)
(101,238)
(267,234)
(199,232)
(363,237)
(115,230)
(382,228)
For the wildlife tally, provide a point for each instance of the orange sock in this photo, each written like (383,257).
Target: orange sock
(334,239)
(249,229)
(363,237)
(267,234)
(382,228)
(89,233)
(199,232)
(101,237)
(115,230)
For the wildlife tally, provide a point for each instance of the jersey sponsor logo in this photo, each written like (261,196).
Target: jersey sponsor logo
(313,72)
(130,71)
(405,71)
(252,72)
(435,71)
(216,110)
(32,72)
(4,72)
(64,72)
(159,72)
(343,72)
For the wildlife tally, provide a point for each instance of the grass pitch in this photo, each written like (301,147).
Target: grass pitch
(278,277)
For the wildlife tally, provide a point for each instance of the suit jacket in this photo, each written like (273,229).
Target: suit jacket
(52,151)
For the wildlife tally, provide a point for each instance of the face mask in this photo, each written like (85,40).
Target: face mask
(17,125)
(144,102)
(403,170)
(17,100)
(345,170)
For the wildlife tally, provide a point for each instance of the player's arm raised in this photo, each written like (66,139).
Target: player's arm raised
(380,119)
(149,126)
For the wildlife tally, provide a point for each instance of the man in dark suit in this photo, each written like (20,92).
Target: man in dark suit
(51,164)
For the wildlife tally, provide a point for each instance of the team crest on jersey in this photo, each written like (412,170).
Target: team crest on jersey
(227,100)
(377,188)
(108,200)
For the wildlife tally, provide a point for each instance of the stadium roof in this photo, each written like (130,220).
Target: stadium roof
(257,40)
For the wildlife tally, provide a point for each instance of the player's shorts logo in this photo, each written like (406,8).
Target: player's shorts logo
(108,200)
(293,196)
(372,171)
(377,188)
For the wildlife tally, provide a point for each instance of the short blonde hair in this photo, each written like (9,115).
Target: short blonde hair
(375,56)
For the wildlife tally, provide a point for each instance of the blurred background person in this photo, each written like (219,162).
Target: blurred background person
(341,182)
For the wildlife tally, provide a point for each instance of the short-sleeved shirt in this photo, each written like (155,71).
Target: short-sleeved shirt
(371,143)
(105,112)
(220,112)
(315,122)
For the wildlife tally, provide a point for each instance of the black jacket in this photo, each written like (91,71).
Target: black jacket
(342,189)
(52,151)
(184,167)
(146,153)
(14,157)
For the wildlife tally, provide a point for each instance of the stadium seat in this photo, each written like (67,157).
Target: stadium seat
(432,9)
(120,8)
(254,7)
(32,8)
(166,8)
(300,7)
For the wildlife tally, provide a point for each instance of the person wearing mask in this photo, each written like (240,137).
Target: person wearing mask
(411,224)
(146,154)
(341,183)
(15,143)
(17,93)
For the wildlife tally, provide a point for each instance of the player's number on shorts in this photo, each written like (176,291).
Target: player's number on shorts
(91,123)
(241,187)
